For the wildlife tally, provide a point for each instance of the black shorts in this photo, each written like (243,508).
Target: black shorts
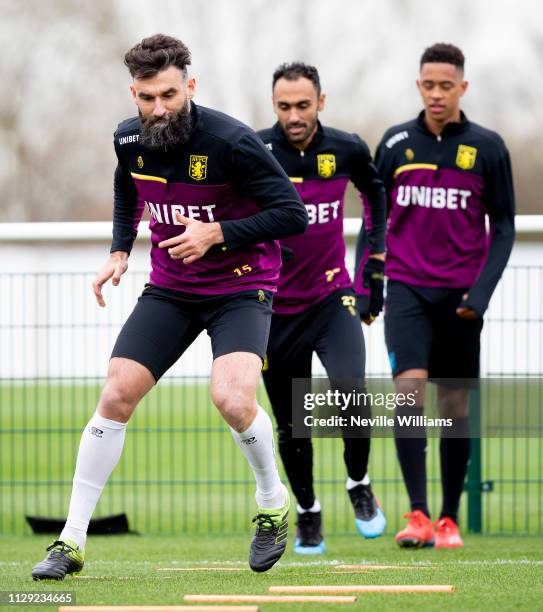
(333,330)
(164,323)
(422,330)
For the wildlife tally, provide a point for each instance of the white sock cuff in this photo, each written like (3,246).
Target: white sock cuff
(99,420)
(316,507)
(351,484)
(261,416)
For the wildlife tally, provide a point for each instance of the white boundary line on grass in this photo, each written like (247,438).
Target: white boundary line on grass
(436,563)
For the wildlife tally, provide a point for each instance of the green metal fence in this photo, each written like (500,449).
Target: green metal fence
(180,470)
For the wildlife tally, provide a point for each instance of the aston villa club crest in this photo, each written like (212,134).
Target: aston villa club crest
(198,167)
(326,165)
(465,157)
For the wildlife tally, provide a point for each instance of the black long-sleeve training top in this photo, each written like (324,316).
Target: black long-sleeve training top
(223,173)
(440,189)
(321,174)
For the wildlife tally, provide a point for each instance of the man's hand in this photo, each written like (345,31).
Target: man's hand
(465,311)
(195,241)
(373,278)
(114,268)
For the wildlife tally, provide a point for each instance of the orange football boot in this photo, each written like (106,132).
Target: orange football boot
(447,534)
(418,533)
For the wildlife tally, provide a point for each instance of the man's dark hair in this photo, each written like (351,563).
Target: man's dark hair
(443,53)
(156,53)
(295,70)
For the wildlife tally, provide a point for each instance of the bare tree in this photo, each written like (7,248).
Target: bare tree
(67,88)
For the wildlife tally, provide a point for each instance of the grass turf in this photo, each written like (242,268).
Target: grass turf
(182,473)
(492,573)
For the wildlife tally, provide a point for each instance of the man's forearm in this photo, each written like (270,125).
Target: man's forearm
(498,256)
(271,224)
(378,215)
(126,214)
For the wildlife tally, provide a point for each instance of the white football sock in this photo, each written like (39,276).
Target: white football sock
(256,443)
(351,484)
(99,451)
(316,507)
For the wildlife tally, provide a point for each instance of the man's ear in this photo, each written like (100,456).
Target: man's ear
(320,104)
(191,88)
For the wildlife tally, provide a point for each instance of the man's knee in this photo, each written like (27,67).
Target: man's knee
(287,443)
(412,382)
(452,403)
(127,382)
(237,405)
(116,402)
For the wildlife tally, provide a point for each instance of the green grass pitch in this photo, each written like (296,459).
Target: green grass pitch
(186,488)
(492,573)
(181,472)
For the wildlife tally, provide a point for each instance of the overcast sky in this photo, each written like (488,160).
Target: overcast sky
(67,88)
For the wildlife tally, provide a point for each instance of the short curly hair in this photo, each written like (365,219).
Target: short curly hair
(295,70)
(443,53)
(156,53)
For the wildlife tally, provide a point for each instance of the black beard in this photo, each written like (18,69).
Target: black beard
(161,133)
(308,131)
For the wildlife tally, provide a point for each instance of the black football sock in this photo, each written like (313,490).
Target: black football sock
(454,454)
(411,448)
(297,457)
(356,454)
